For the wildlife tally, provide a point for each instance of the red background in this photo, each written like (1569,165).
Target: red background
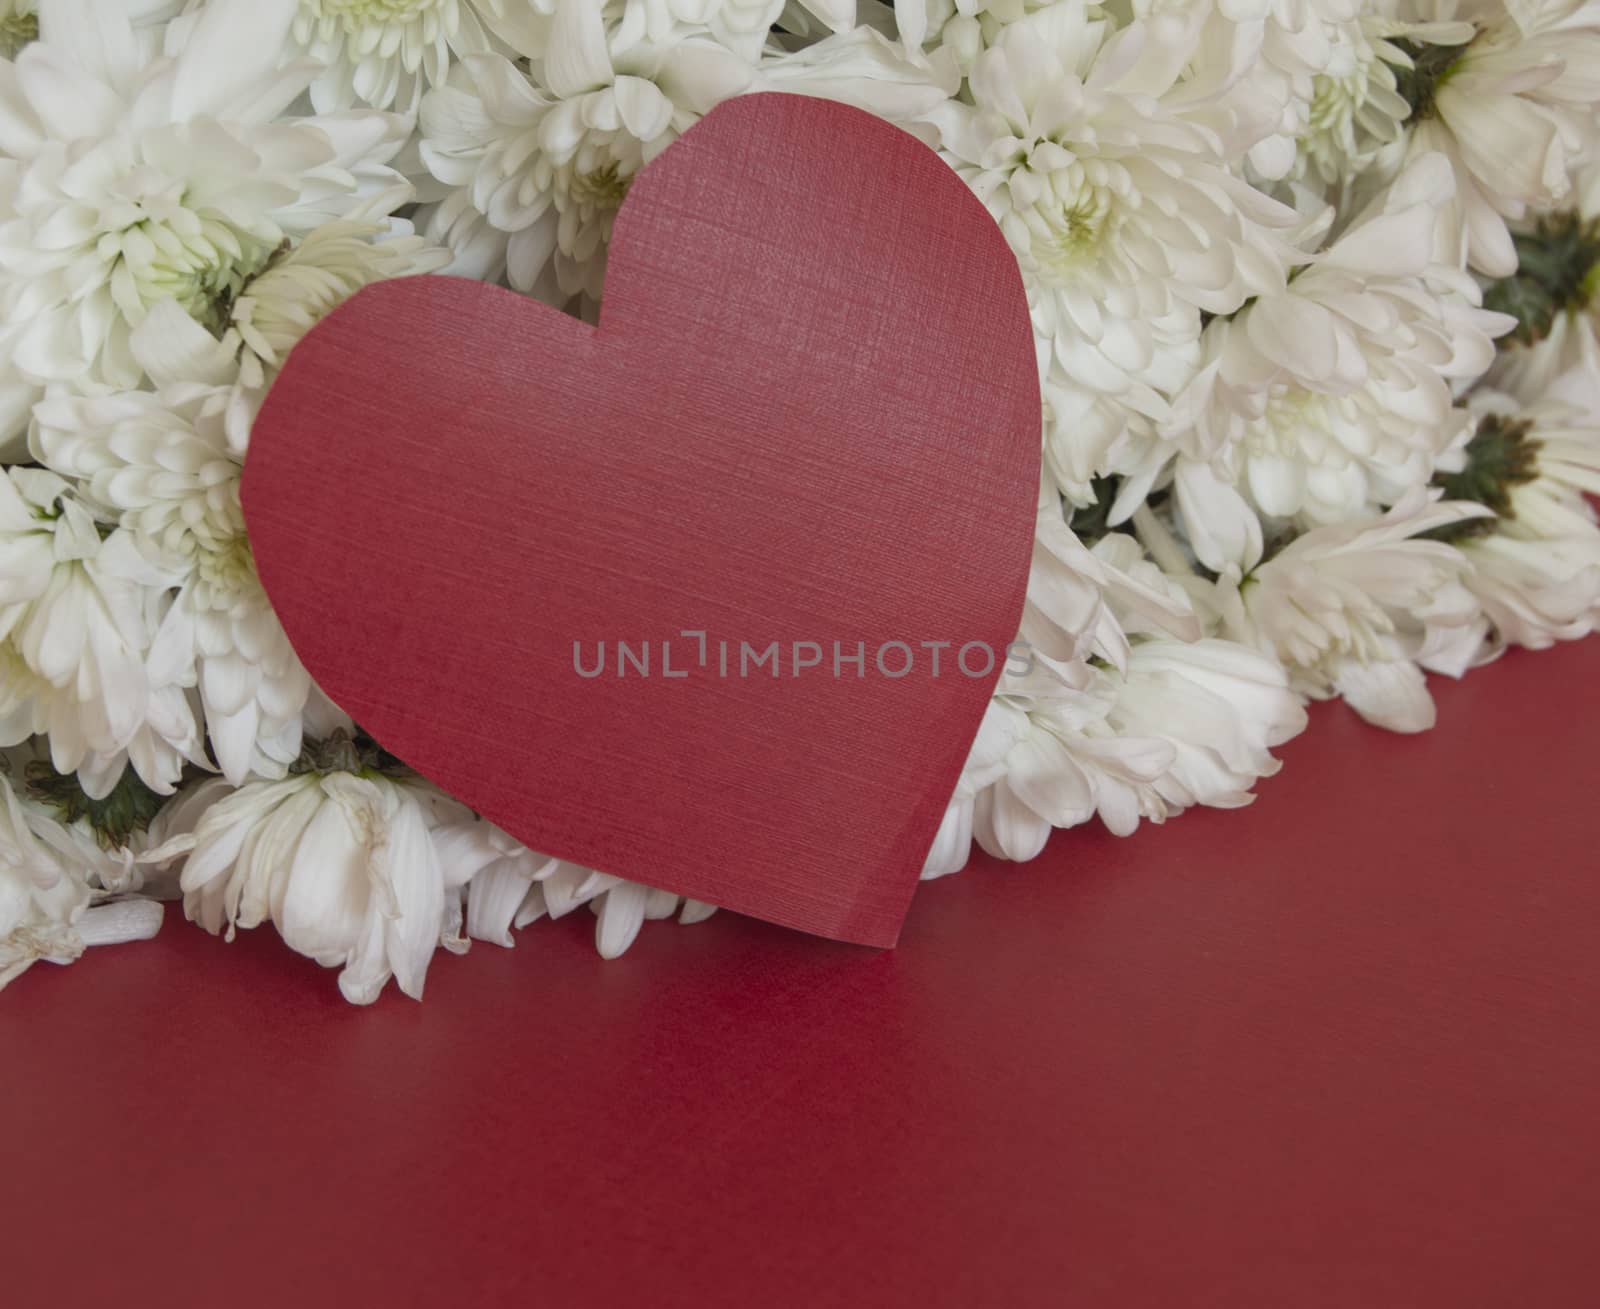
(1339,1050)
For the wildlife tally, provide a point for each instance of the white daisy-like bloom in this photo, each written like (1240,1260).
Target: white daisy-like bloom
(357,870)
(99,840)
(1125,214)
(28,703)
(1514,111)
(1569,349)
(1089,433)
(1188,723)
(1332,397)
(129,180)
(165,464)
(297,289)
(1359,609)
(1358,104)
(1047,755)
(741,25)
(160,463)
(1081,601)
(1556,292)
(40,900)
(385,53)
(1140,728)
(960,27)
(45,897)
(1070,632)
(861,67)
(77,616)
(541,161)
(1258,66)
(521,887)
(547,160)
(1537,590)
(1221,705)
(1537,571)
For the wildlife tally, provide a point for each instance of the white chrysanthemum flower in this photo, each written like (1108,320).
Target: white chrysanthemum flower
(166,464)
(1359,103)
(627,906)
(1555,293)
(544,158)
(1222,706)
(1189,723)
(77,615)
(1258,66)
(548,161)
(1537,591)
(1080,602)
(1071,632)
(1045,756)
(160,463)
(272,312)
(1139,729)
(861,67)
(520,887)
(45,910)
(356,870)
(129,181)
(100,839)
(386,52)
(28,703)
(1333,397)
(1570,348)
(958,27)
(1125,214)
(1359,609)
(741,25)
(1536,569)
(39,899)
(1514,111)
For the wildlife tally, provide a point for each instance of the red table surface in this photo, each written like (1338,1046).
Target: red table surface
(1338,1050)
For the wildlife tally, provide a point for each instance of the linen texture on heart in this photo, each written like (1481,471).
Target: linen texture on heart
(711,596)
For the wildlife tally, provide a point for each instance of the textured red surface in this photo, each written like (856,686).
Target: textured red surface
(808,423)
(1338,1050)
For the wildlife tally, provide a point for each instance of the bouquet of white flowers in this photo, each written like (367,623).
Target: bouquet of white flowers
(1315,287)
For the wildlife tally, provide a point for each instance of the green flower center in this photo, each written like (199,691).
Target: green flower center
(1501,456)
(1090,522)
(16,31)
(1558,272)
(1431,67)
(346,753)
(128,809)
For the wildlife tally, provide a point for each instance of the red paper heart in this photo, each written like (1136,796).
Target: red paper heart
(810,413)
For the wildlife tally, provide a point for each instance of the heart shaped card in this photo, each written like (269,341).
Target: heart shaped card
(711,596)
